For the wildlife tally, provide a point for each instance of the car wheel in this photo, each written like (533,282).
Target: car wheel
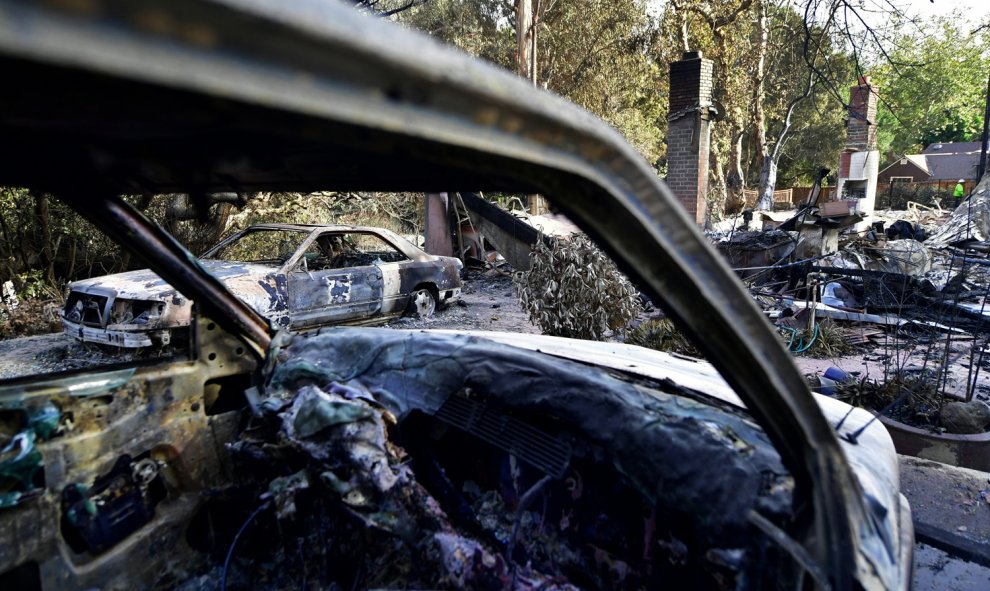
(422,303)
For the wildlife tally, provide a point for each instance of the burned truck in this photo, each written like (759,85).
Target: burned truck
(372,458)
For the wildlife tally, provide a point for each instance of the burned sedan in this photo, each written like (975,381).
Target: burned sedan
(296,276)
(370,458)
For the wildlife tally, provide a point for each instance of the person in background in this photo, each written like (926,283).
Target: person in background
(959,191)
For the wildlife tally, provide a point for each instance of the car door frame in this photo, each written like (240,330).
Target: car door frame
(337,295)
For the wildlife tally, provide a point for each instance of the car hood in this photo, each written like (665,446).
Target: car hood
(145,284)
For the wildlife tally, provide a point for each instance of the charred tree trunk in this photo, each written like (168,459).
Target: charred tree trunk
(735,181)
(42,217)
(768,169)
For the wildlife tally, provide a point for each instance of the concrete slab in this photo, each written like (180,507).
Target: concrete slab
(951,511)
(935,570)
(956,500)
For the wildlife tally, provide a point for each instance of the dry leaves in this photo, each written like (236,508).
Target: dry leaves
(574,290)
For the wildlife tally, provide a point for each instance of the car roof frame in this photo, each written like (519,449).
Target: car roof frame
(311,87)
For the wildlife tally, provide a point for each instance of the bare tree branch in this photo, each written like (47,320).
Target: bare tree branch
(380,7)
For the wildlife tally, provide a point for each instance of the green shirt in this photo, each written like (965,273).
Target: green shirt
(959,190)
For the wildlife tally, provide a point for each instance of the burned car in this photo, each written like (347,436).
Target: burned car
(376,458)
(296,276)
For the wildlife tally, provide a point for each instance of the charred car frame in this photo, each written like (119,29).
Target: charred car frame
(296,276)
(436,460)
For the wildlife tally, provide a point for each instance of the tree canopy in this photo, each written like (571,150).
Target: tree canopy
(783,69)
(933,87)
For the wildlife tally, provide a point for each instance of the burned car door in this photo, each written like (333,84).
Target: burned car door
(114,463)
(324,288)
(392,265)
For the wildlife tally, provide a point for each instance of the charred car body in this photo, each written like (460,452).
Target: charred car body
(296,276)
(369,458)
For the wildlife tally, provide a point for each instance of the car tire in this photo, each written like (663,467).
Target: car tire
(422,303)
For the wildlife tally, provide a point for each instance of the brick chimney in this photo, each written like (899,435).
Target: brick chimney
(688,137)
(862,120)
(859,160)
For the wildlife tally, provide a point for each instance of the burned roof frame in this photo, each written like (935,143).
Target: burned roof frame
(111,97)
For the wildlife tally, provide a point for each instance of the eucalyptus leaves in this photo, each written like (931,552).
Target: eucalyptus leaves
(574,290)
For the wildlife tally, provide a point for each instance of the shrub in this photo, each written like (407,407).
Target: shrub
(574,290)
(662,335)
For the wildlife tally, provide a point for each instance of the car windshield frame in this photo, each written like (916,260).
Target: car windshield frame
(210,255)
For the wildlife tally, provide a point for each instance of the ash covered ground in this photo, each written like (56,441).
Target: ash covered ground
(488,302)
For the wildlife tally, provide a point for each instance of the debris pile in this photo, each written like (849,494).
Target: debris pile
(32,316)
(902,293)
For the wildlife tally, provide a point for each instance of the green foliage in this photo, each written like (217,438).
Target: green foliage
(23,247)
(400,212)
(483,28)
(662,335)
(819,122)
(574,290)
(33,284)
(597,53)
(934,90)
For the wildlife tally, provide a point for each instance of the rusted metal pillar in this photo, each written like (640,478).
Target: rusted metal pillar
(437,231)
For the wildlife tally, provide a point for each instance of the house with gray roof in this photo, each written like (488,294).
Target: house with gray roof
(946,162)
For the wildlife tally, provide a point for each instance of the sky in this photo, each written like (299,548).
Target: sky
(974,10)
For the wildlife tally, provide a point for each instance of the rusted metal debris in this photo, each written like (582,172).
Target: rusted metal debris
(915,279)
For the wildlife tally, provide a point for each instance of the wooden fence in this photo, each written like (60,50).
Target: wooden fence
(781,197)
(800,194)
